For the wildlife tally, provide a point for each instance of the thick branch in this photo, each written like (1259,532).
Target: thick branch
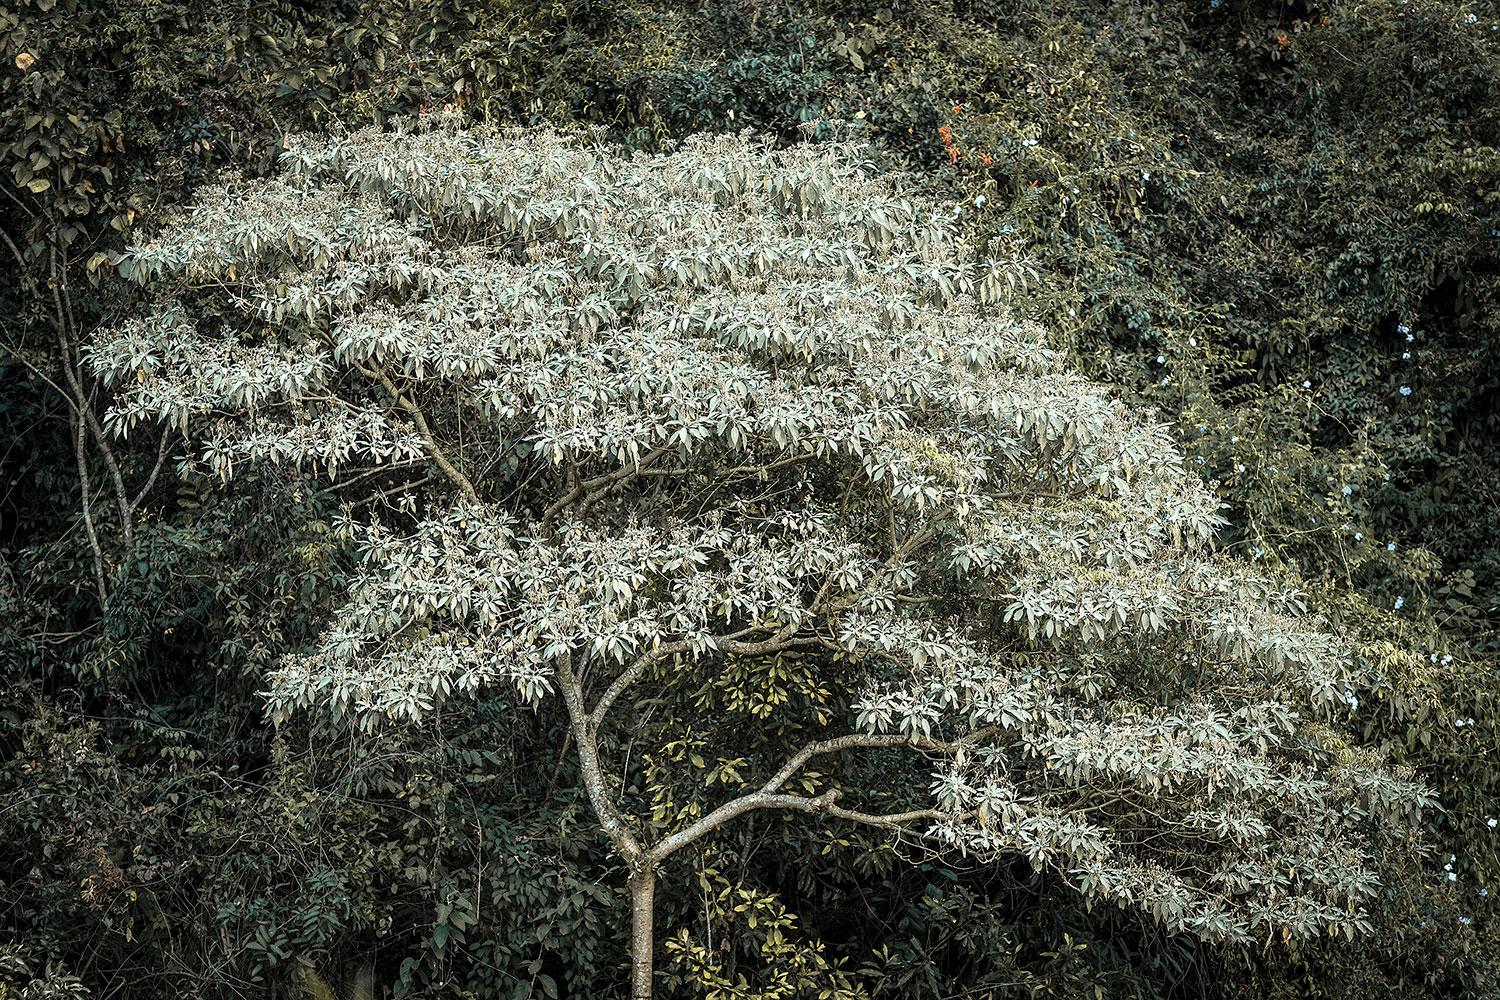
(585,736)
(887,820)
(629,676)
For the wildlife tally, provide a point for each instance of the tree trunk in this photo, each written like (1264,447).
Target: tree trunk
(642,932)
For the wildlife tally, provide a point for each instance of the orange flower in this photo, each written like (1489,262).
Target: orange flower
(986,159)
(958,109)
(1281,39)
(952,155)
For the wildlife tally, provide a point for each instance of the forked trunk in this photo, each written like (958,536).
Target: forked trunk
(642,914)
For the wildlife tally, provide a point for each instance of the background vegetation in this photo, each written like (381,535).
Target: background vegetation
(1276,223)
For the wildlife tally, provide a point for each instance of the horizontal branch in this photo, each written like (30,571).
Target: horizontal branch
(782,640)
(824,804)
(769,796)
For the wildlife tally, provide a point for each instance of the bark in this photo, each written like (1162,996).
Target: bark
(585,737)
(642,932)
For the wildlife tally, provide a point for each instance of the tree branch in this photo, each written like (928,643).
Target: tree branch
(417,417)
(80,403)
(727,644)
(161,456)
(81,456)
(72,371)
(824,804)
(768,795)
(585,736)
(607,479)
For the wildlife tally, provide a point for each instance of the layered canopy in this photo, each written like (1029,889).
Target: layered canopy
(735,400)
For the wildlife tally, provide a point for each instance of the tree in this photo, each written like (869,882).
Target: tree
(641,418)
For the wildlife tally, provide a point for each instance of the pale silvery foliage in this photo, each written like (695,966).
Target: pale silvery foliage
(733,400)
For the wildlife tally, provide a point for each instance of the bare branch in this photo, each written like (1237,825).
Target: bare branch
(783,639)
(72,371)
(767,797)
(81,456)
(585,486)
(161,455)
(824,804)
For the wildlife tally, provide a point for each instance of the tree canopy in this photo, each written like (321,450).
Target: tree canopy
(734,401)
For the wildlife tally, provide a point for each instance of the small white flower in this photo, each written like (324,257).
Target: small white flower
(1390,546)
(979,202)
(1406,355)
(1492,822)
(1348,490)
(1306,384)
(1406,390)
(1359,536)
(1161,359)
(1465,920)
(1240,467)
(1400,603)
(1453,876)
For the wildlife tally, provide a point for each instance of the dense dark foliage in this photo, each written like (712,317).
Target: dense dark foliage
(1276,223)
